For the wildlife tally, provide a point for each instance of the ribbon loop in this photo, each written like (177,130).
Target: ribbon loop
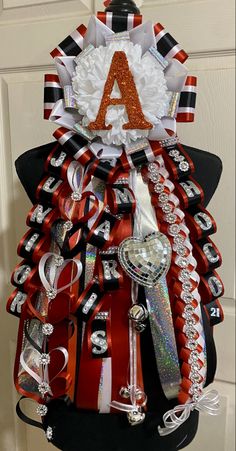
(173,419)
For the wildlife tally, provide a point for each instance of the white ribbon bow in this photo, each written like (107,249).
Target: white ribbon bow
(173,419)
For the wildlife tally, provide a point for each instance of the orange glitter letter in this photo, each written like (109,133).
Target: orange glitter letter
(120,72)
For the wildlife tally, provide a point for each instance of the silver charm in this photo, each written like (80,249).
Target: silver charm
(146,261)
(138,314)
(136,417)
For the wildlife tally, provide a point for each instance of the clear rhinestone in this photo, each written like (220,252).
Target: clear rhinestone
(68,225)
(195,389)
(184,166)
(31,242)
(159,188)
(174,153)
(169,141)
(188,297)
(42,410)
(195,377)
(51,293)
(174,229)
(187,286)
(188,311)
(163,198)
(194,356)
(182,262)
(181,250)
(152,167)
(190,332)
(179,158)
(89,303)
(59,260)
(49,433)
(154,177)
(47,329)
(192,344)
(179,239)
(76,196)
(196,397)
(167,208)
(185,274)
(190,321)
(171,218)
(44,359)
(195,367)
(43,388)
(102,316)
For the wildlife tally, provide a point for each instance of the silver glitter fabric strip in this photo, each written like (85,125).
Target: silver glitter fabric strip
(163,336)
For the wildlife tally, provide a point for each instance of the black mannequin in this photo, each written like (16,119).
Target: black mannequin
(87,431)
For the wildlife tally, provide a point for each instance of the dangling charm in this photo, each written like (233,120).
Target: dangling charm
(136,417)
(138,314)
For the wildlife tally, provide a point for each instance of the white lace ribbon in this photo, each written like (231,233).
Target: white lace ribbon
(173,419)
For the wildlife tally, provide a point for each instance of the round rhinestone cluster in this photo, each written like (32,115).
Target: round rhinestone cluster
(178,158)
(42,410)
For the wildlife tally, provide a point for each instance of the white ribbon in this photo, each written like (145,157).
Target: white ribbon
(44,377)
(57,271)
(173,419)
(75,177)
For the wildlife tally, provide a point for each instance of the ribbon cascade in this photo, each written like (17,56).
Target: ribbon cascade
(73,280)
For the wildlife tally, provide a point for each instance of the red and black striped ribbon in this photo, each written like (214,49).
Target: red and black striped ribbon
(52,93)
(119,22)
(72,45)
(167,46)
(187,102)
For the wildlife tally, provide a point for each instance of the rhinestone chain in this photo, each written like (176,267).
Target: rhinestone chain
(189,325)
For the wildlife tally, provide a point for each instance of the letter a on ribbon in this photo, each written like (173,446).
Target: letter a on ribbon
(120,72)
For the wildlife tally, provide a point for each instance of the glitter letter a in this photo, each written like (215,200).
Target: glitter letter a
(120,72)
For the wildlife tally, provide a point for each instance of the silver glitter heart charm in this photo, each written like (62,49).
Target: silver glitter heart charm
(147,260)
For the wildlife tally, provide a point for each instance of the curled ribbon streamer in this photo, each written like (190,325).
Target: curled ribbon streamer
(44,368)
(208,403)
(44,280)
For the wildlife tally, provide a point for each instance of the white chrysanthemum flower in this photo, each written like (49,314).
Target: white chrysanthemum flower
(89,82)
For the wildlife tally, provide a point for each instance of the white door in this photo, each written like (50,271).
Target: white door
(29,29)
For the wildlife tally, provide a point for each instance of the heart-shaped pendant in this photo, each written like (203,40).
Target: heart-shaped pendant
(147,260)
